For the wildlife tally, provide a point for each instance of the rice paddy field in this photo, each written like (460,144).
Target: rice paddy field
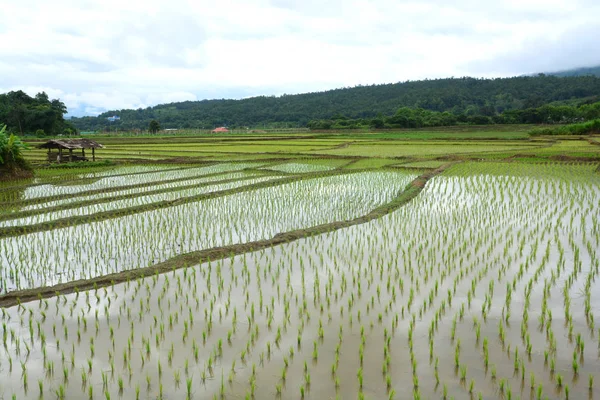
(310,266)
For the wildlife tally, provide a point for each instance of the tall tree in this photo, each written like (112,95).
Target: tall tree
(154,126)
(25,115)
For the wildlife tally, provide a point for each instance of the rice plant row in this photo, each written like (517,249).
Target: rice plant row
(146,238)
(174,193)
(51,190)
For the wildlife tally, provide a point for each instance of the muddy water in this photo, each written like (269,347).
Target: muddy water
(346,290)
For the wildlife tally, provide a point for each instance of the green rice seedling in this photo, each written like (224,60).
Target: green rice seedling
(456,359)
(60,392)
(222,388)
(188,387)
(359,376)
(104,380)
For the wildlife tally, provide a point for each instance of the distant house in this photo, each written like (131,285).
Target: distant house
(113,118)
(221,129)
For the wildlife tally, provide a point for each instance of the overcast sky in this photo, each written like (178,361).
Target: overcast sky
(114,54)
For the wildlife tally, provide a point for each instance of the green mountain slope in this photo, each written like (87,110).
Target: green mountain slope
(468,96)
(593,71)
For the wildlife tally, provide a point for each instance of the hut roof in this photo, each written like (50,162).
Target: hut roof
(71,144)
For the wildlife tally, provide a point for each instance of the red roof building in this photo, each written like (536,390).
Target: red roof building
(221,129)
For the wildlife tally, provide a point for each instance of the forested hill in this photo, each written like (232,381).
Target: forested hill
(595,71)
(459,96)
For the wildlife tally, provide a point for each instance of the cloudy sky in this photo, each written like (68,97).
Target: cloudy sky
(98,55)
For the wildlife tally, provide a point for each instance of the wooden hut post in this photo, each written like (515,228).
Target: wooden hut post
(59,155)
(82,152)
(71,155)
(93,154)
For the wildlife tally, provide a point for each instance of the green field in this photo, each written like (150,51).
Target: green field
(448,144)
(442,264)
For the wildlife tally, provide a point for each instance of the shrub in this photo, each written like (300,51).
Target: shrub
(11,151)
(584,128)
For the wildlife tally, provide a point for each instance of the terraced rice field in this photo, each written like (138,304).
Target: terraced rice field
(303,279)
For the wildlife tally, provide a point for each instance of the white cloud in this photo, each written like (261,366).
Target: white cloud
(127,54)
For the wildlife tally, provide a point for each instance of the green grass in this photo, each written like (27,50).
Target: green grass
(371,163)
(427,148)
(424,164)
(489,142)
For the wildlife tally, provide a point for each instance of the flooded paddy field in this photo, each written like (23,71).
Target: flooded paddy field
(485,285)
(144,233)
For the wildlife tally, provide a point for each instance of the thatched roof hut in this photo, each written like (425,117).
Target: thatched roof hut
(70,144)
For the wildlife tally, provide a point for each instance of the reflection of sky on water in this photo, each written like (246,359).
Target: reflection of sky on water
(146,238)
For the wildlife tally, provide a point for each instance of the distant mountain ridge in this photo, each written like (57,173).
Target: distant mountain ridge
(468,96)
(585,71)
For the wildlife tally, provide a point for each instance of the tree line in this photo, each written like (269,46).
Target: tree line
(442,101)
(406,117)
(38,115)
